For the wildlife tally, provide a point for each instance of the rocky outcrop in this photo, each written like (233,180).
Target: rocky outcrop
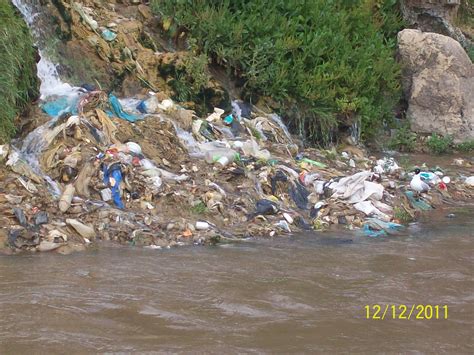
(435,16)
(438,84)
(416,11)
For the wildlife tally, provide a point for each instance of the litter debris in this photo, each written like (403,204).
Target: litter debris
(108,35)
(149,173)
(469,181)
(417,203)
(202,225)
(66,198)
(118,110)
(81,228)
(373,225)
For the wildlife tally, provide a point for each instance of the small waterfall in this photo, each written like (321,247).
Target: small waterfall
(51,84)
(355,132)
(51,87)
(277,119)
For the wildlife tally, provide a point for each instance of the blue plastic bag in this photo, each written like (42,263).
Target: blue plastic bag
(142,107)
(118,110)
(228,119)
(115,172)
(373,233)
(60,106)
(108,35)
(419,204)
(375,227)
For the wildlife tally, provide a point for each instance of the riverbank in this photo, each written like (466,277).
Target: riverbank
(218,181)
(124,163)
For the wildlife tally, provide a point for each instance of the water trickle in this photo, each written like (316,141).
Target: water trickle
(355,131)
(277,119)
(51,84)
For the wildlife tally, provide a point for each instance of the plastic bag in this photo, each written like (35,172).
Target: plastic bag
(118,110)
(355,189)
(375,228)
(60,106)
(369,209)
(113,177)
(108,35)
(419,204)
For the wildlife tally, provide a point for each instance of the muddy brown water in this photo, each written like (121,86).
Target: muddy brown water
(301,294)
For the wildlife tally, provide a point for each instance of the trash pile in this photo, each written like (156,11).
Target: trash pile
(150,173)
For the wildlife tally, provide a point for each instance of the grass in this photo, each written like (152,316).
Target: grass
(402,215)
(327,64)
(17,69)
(404,139)
(465,146)
(405,163)
(199,208)
(438,144)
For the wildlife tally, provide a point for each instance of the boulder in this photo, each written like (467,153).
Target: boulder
(438,84)
(439,16)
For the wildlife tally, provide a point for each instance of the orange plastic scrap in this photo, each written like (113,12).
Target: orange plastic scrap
(187,233)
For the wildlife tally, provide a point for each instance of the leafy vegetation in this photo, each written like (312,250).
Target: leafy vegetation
(466,12)
(199,208)
(401,214)
(17,68)
(439,144)
(328,64)
(404,139)
(405,163)
(465,20)
(191,77)
(466,146)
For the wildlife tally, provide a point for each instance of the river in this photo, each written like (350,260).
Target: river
(300,294)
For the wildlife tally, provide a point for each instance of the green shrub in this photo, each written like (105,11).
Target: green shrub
(327,64)
(439,144)
(18,82)
(190,77)
(404,139)
(466,146)
(402,215)
(466,19)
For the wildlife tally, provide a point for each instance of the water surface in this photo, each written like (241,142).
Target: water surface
(301,294)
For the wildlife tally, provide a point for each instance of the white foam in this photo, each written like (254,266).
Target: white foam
(51,84)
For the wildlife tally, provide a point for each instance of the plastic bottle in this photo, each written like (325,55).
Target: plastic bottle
(252,148)
(202,225)
(66,198)
(84,230)
(222,157)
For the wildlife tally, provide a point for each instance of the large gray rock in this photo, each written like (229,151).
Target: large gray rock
(438,83)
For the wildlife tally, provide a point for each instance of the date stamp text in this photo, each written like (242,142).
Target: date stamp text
(406,312)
